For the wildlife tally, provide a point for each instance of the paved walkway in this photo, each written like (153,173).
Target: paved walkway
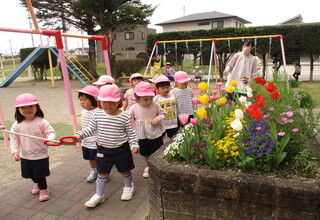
(69,191)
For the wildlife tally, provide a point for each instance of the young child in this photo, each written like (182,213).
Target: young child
(169,72)
(297,70)
(168,104)
(129,94)
(115,138)
(198,75)
(183,94)
(148,117)
(32,153)
(104,80)
(88,101)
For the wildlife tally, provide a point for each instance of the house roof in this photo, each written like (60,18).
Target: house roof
(294,20)
(203,16)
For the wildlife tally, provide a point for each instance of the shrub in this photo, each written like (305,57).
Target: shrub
(294,83)
(306,100)
(125,67)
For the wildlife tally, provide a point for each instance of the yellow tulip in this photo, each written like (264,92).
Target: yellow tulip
(230,89)
(233,83)
(202,113)
(203,86)
(204,99)
(222,100)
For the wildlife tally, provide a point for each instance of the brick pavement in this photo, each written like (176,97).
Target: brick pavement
(69,191)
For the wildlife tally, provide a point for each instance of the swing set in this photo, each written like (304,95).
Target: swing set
(213,55)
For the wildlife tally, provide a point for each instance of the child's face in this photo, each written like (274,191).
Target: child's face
(145,101)
(85,103)
(135,81)
(111,108)
(168,66)
(164,90)
(182,85)
(28,112)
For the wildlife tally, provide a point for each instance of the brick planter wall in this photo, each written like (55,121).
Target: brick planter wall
(183,193)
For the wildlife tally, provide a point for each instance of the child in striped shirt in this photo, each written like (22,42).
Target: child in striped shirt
(88,101)
(129,99)
(148,117)
(183,94)
(115,138)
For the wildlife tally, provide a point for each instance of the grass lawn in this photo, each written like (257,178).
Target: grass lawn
(312,87)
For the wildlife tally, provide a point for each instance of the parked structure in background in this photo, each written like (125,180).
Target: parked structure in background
(130,44)
(205,20)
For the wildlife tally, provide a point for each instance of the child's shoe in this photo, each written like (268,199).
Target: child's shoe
(44,195)
(94,201)
(92,176)
(35,190)
(146,173)
(127,193)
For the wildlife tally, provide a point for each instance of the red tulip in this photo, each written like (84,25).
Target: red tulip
(275,95)
(258,80)
(194,121)
(263,81)
(259,97)
(270,87)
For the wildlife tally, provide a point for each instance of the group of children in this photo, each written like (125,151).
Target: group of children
(112,129)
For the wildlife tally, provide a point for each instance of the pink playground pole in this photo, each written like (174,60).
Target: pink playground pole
(5,136)
(149,62)
(105,51)
(58,37)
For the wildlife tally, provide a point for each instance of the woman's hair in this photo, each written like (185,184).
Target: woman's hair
(20,118)
(90,97)
(249,43)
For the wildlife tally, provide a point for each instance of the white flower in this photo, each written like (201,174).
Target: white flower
(246,105)
(248,89)
(236,125)
(239,114)
(243,99)
(249,94)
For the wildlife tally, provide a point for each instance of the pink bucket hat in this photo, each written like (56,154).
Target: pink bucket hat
(104,79)
(26,99)
(144,89)
(90,90)
(181,77)
(135,75)
(153,79)
(161,79)
(109,93)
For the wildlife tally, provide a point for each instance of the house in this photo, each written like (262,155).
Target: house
(130,44)
(205,20)
(294,20)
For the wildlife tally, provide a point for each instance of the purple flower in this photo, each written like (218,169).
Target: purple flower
(269,150)
(260,153)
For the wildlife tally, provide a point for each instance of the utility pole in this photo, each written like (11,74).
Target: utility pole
(14,64)
(30,24)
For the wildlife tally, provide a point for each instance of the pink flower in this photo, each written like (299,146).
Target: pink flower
(282,133)
(290,121)
(283,120)
(194,121)
(258,128)
(219,84)
(214,92)
(266,116)
(213,98)
(288,106)
(289,113)
(195,101)
(295,130)
(201,156)
(223,90)
(204,132)
(271,109)
(183,118)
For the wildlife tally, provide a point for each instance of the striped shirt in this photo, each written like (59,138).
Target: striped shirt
(89,142)
(184,100)
(112,130)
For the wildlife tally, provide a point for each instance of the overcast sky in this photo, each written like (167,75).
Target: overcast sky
(270,12)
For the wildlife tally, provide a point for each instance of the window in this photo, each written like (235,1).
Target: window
(217,24)
(128,35)
(236,24)
(143,36)
(130,48)
(204,23)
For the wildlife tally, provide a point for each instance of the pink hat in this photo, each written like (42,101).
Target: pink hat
(181,77)
(90,90)
(135,75)
(161,79)
(144,89)
(154,78)
(26,99)
(104,79)
(109,93)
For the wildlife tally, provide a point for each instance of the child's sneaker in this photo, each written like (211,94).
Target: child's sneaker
(92,176)
(35,190)
(146,173)
(44,195)
(127,193)
(94,201)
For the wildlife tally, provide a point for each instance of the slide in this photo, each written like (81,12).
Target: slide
(23,66)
